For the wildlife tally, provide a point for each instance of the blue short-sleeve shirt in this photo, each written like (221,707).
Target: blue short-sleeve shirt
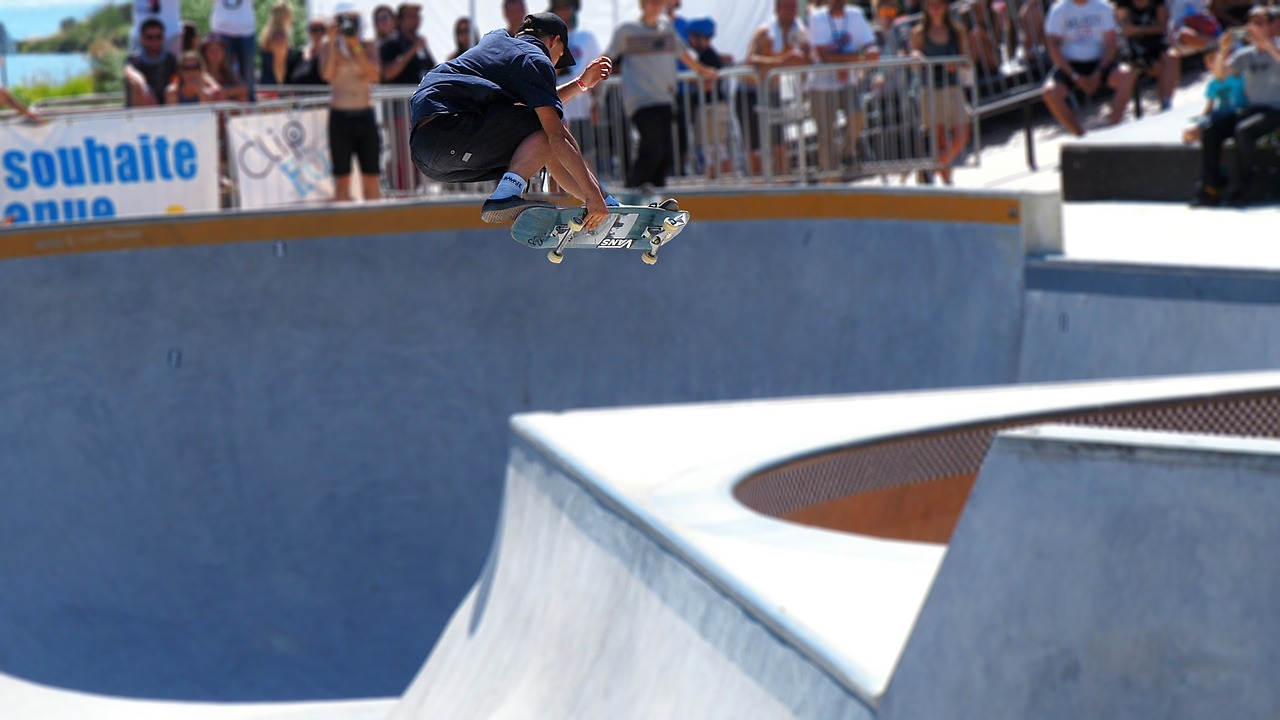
(499,69)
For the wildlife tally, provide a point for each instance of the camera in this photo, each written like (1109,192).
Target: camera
(348,25)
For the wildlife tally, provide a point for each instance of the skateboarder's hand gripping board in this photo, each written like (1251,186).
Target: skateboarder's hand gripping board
(565,150)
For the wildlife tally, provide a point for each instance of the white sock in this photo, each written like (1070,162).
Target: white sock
(510,185)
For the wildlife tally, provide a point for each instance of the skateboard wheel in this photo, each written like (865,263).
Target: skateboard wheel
(649,257)
(576,224)
(555,257)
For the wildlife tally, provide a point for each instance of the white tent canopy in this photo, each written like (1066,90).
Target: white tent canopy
(735,19)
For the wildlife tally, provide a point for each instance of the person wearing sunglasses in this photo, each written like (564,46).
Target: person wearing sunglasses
(192,84)
(147,71)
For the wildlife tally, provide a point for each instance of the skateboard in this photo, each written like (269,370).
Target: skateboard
(629,227)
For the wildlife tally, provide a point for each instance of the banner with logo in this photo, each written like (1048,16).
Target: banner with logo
(86,168)
(281,158)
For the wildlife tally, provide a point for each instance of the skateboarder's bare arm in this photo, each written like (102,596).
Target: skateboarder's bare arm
(597,70)
(566,154)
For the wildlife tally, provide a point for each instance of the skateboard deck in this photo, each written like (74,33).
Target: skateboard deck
(629,227)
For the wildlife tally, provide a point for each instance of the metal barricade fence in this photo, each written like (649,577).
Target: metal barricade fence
(802,124)
(846,121)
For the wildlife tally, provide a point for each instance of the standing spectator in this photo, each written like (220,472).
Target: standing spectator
(1084,49)
(1259,64)
(147,72)
(782,42)
(278,56)
(464,37)
(887,14)
(1144,24)
(384,23)
(405,59)
(580,111)
(168,12)
(351,68)
(218,65)
(234,22)
(514,11)
(307,70)
(404,54)
(647,50)
(191,84)
(839,34)
(711,109)
(944,111)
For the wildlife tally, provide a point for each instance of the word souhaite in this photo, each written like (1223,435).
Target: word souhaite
(95,163)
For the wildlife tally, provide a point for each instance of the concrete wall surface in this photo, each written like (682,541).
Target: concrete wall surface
(242,467)
(584,613)
(1104,573)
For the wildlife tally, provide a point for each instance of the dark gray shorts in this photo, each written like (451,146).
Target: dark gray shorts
(472,147)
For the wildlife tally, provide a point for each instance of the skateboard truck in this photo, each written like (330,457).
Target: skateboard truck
(562,234)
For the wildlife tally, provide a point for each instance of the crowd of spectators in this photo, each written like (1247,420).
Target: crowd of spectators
(1073,50)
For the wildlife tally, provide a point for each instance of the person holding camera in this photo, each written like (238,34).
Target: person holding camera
(351,68)
(1259,64)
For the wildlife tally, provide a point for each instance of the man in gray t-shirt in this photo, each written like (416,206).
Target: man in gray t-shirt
(1259,65)
(647,50)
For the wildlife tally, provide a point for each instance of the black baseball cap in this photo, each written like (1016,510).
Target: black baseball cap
(546,23)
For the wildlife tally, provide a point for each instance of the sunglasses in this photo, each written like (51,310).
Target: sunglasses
(315,29)
(152,36)
(190,68)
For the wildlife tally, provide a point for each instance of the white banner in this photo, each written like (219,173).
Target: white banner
(80,168)
(281,158)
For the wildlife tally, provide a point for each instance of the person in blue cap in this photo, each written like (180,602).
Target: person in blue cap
(495,113)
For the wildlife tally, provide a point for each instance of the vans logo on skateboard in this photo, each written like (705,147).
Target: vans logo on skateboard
(612,242)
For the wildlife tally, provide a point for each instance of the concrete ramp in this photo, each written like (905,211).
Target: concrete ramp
(259,457)
(584,612)
(1105,573)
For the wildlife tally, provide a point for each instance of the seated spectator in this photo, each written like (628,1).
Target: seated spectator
(217,63)
(191,84)
(1084,49)
(1144,23)
(464,38)
(148,71)
(1222,98)
(307,69)
(404,54)
(279,59)
(7,99)
(351,68)
(1259,65)
(1194,29)
(942,107)
(839,34)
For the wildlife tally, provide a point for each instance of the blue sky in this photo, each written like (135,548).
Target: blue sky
(36,18)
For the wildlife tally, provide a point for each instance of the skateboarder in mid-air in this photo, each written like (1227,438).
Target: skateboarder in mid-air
(495,113)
